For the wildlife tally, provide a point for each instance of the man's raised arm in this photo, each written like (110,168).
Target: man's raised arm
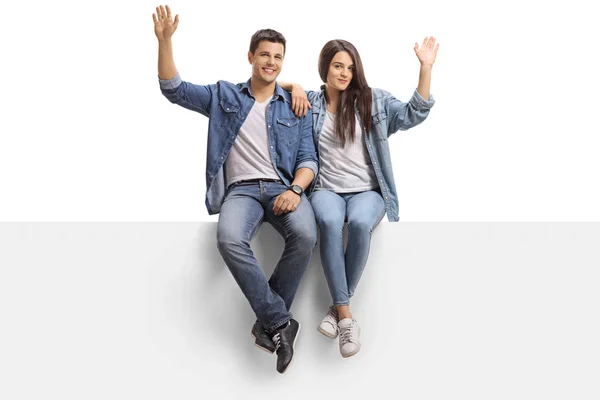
(164,27)
(188,95)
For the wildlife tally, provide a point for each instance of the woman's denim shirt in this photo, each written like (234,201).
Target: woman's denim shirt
(389,115)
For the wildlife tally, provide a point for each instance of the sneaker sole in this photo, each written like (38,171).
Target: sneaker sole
(260,347)
(325,333)
(293,348)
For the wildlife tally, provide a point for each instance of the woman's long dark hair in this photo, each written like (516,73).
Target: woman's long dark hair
(358,92)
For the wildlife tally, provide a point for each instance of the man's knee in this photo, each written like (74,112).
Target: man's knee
(228,239)
(305,236)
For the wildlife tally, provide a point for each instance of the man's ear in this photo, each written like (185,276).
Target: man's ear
(250,57)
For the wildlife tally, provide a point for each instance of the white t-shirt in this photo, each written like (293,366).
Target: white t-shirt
(344,169)
(249,157)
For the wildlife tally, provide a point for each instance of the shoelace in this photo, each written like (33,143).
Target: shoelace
(346,334)
(277,340)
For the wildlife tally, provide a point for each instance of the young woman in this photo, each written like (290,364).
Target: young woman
(355,183)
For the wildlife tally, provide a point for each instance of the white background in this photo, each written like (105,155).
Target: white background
(87,136)
(465,311)
(132,311)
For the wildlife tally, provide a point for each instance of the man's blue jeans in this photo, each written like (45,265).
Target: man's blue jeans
(245,207)
(363,211)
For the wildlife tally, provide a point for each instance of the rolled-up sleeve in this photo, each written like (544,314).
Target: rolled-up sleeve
(188,95)
(403,116)
(418,102)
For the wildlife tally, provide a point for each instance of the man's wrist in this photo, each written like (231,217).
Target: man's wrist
(296,189)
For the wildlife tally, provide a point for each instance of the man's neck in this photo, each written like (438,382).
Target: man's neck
(261,91)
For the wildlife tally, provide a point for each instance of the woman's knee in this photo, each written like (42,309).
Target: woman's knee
(360,225)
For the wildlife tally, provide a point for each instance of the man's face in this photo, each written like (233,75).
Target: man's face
(266,61)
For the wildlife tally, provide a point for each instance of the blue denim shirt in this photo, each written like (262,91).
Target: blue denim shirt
(227,106)
(389,115)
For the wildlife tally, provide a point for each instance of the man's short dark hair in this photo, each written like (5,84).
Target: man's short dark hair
(269,35)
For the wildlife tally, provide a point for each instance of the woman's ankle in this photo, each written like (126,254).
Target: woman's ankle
(343,312)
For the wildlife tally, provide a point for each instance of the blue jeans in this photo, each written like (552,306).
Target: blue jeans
(363,211)
(245,207)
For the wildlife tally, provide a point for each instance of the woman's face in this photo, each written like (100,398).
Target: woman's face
(340,71)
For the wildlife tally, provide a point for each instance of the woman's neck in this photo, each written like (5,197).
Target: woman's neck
(333,97)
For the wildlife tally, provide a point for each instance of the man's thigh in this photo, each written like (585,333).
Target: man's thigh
(241,214)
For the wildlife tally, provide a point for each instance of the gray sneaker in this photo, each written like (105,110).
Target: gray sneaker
(349,334)
(329,324)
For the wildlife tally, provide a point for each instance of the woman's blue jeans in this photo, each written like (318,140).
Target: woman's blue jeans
(363,211)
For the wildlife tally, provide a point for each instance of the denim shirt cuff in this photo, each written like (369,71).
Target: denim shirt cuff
(172,83)
(308,164)
(420,103)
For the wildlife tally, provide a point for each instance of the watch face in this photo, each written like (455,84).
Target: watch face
(297,189)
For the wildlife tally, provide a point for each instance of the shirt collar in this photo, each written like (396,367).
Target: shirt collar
(278,94)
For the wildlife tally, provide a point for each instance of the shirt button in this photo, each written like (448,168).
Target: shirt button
(228,109)
(269,126)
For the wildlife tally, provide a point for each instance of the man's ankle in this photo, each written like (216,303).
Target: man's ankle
(280,327)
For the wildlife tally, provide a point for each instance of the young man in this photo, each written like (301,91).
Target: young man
(260,159)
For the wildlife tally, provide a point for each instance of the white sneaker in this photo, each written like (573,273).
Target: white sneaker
(329,325)
(349,333)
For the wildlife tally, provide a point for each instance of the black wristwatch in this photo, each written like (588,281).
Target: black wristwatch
(296,189)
